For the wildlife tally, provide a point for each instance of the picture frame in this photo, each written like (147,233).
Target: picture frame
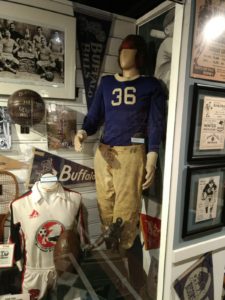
(207,59)
(207,126)
(157,29)
(204,200)
(52,76)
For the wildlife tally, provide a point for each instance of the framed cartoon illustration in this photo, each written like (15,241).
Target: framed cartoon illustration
(204,199)
(37,51)
(207,126)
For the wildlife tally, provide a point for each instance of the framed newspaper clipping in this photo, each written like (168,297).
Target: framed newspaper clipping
(204,199)
(207,126)
(208,49)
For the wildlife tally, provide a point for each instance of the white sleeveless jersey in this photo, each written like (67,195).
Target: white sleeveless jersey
(40,223)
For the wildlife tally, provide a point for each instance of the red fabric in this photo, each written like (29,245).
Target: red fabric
(150,227)
(128,44)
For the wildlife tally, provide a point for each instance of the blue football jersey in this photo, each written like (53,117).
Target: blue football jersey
(128,108)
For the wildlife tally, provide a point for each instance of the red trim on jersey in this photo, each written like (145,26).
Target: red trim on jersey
(22,196)
(82,228)
(68,190)
(25,262)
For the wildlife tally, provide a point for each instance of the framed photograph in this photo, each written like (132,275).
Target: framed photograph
(5,129)
(208,50)
(207,126)
(37,51)
(157,30)
(204,199)
(61,126)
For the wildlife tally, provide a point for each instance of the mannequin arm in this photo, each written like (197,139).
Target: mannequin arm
(79,139)
(150,169)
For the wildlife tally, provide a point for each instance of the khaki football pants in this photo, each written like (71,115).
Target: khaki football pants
(119,173)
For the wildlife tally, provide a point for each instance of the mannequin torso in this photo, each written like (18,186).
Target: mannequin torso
(42,215)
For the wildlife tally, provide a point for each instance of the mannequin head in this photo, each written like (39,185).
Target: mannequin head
(128,59)
(132,52)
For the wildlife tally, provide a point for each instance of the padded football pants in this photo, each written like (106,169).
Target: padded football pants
(119,173)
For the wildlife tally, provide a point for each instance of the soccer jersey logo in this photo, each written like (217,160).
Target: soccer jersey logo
(48,234)
(34,214)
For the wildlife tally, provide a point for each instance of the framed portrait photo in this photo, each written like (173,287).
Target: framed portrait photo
(207,125)
(204,199)
(37,51)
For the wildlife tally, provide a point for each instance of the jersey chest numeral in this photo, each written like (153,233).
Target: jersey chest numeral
(126,96)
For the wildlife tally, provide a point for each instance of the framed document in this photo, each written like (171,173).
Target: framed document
(204,199)
(207,126)
(208,50)
(6,255)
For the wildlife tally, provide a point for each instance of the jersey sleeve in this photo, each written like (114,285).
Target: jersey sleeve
(79,224)
(81,227)
(95,115)
(156,118)
(15,235)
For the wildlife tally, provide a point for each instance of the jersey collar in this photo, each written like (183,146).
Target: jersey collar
(36,194)
(122,78)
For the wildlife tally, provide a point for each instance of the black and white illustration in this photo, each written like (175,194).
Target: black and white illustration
(212,128)
(207,198)
(204,200)
(5,129)
(207,128)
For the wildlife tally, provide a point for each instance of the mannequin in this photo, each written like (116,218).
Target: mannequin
(120,115)
(39,217)
(132,108)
